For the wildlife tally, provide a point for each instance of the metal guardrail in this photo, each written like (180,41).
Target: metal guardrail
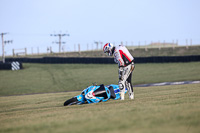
(101,60)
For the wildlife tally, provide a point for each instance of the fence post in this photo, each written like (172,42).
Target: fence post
(13,52)
(25,51)
(186,43)
(79,49)
(51,50)
(146,49)
(132,43)
(139,44)
(159,45)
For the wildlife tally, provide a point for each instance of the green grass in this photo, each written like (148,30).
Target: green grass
(43,78)
(165,109)
(158,109)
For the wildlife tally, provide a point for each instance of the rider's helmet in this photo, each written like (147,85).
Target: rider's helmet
(108,47)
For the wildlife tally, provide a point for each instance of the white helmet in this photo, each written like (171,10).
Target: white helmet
(108,47)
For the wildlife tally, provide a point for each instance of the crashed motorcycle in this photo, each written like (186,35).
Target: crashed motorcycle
(95,94)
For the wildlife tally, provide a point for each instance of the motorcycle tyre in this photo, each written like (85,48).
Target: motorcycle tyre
(71,101)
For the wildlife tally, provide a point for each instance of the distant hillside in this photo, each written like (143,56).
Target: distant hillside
(136,52)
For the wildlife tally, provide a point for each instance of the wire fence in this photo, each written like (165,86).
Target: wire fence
(98,45)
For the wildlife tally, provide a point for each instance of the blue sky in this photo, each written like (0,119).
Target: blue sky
(30,22)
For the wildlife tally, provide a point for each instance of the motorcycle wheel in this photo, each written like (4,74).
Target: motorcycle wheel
(71,101)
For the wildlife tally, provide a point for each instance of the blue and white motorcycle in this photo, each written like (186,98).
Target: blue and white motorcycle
(96,94)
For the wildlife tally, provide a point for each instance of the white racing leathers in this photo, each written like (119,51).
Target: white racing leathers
(126,65)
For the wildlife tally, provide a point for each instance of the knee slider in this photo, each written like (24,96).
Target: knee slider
(121,86)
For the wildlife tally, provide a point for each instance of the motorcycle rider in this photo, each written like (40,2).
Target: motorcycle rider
(126,66)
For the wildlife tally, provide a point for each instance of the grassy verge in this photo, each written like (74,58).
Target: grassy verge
(136,51)
(42,78)
(163,109)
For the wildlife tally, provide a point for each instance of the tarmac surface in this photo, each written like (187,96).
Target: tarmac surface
(168,83)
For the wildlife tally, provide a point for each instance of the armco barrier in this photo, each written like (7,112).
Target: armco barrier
(14,65)
(167,59)
(99,60)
